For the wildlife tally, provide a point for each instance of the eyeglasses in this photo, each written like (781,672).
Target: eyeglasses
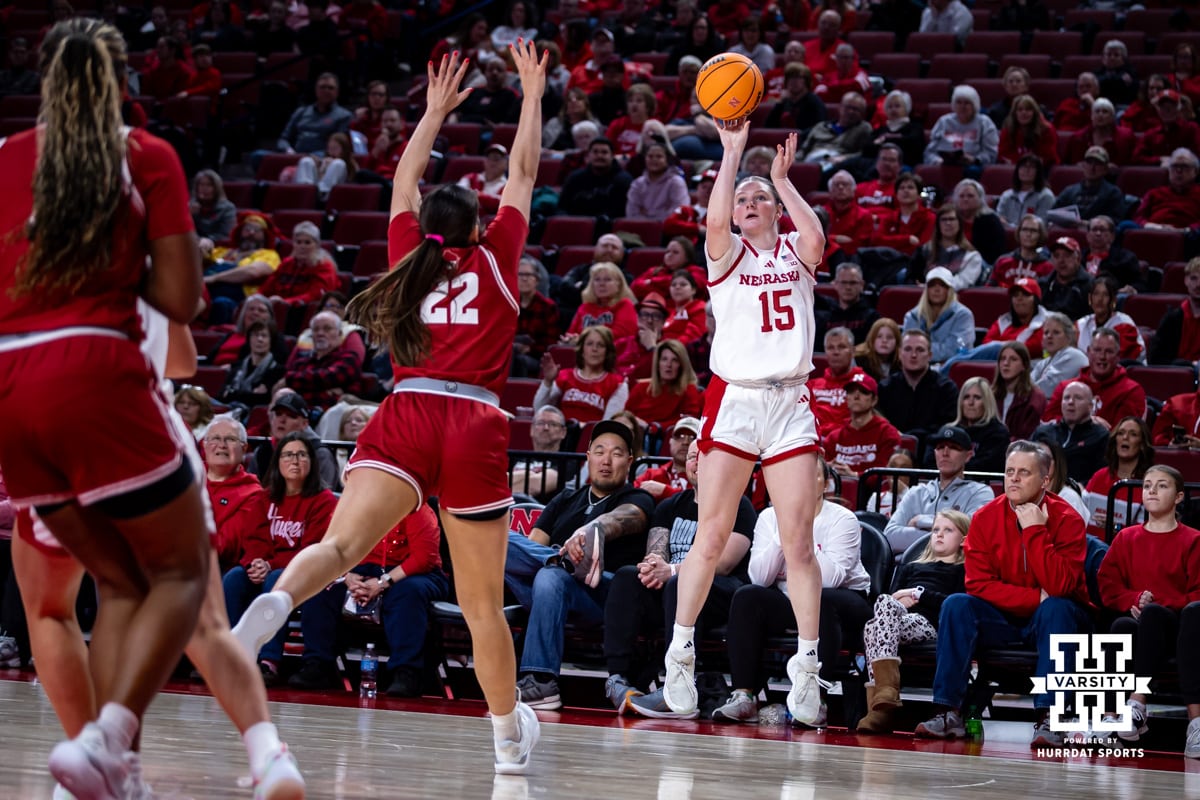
(548,424)
(527,274)
(295,455)
(229,440)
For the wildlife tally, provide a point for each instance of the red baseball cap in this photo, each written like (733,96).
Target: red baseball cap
(1028,285)
(864,382)
(1067,242)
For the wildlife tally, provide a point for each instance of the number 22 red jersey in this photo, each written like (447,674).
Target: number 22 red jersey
(472,318)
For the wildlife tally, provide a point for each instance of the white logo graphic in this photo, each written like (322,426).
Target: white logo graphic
(1089,682)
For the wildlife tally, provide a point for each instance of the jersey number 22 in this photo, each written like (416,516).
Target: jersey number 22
(450,302)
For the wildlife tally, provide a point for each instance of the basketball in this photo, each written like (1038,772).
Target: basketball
(729,86)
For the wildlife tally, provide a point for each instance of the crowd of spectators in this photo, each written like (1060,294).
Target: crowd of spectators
(952,201)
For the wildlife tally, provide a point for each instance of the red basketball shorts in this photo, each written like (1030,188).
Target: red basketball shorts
(450,447)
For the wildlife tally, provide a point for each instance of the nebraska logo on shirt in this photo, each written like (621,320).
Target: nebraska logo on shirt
(583,398)
(763,280)
(605,319)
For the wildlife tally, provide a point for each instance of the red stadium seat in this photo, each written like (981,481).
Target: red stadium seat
(210,379)
(1154,246)
(1056,44)
(372,258)
(1037,64)
(962,371)
(959,67)
(1185,460)
(1164,382)
(462,137)
(895,301)
(1134,40)
(240,193)
(563,354)
(1148,309)
(458,166)
(235,61)
(996,178)
(641,259)
(991,90)
(650,230)
(1052,91)
(518,392)
(354,197)
(287,219)
(1103,20)
(504,134)
(993,44)
(356,227)
(572,255)
(928,45)
(563,230)
(206,341)
(518,434)
(1137,181)
(1063,175)
(1172,282)
(278,196)
(987,303)
(896,65)
(274,163)
(868,44)
(550,172)
(805,177)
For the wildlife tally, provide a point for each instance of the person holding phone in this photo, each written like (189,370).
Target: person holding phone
(1178,424)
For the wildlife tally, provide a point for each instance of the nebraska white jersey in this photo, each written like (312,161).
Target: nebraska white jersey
(763,304)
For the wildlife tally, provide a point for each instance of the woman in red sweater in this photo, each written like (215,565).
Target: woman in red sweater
(1027,131)
(1128,455)
(910,224)
(685,322)
(1152,574)
(680,254)
(298,515)
(670,392)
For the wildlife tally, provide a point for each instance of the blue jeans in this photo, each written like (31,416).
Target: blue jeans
(240,591)
(967,621)
(988,351)
(552,596)
(404,612)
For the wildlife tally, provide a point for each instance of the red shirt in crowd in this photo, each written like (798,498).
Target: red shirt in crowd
(413,545)
(1013,147)
(582,399)
(686,323)
(674,480)
(877,197)
(894,230)
(1182,410)
(1167,564)
(667,407)
(296,522)
(829,399)
(1010,268)
(621,318)
(1117,396)
(239,506)
(863,448)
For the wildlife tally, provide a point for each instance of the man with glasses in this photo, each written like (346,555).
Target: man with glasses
(310,126)
(540,477)
(1102,257)
(670,479)
(1176,206)
(559,572)
(239,503)
(539,319)
(635,354)
(850,310)
(287,413)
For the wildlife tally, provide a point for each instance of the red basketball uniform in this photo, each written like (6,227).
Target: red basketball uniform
(441,441)
(93,423)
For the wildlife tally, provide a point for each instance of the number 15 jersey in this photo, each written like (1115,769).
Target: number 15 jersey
(472,318)
(763,305)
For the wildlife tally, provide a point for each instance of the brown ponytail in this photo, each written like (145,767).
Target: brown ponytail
(390,309)
(77,182)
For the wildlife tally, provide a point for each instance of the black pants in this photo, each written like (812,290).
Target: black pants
(632,610)
(12,612)
(1155,633)
(760,612)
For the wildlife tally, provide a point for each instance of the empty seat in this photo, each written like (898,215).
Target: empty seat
(1063,175)
(372,258)
(504,134)
(572,255)
(355,227)
(959,67)
(210,379)
(240,193)
(458,166)
(563,355)
(287,219)
(1137,181)
(1052,91)
(986,302)
(895,301)
(1172,282)
(641,259)
(1148,309)
(868,44)
(1037,64)
(769,137)
(1056,44)
(278,196)
(649,230)
(462,137)
(518,434)
(564,230)
(926,91)
(962,371)
(1164,382)
(805,177)
(549,172)
(996,178)
(927,45)
(993,44)
(1134,40)
(991,90)
(1154,22)
(274,163)
(354,197)
(1154,246)
(1103,20)
(518,392)
(896,65)
(657,60)
(235,61)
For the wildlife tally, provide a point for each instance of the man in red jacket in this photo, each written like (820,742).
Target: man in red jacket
(1117,395)
(829,391)
(403,575)
(239,503)
(1179,422)
(1025,582)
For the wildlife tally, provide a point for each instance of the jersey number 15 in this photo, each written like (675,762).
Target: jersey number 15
(777,314)
(450,302)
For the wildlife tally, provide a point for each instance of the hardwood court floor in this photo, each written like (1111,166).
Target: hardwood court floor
(398,750)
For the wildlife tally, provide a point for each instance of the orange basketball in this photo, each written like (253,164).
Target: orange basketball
(729,86)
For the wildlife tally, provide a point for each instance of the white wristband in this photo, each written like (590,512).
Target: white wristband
(674,570)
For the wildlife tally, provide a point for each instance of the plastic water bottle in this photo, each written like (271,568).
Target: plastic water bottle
(369,669)
(974,724)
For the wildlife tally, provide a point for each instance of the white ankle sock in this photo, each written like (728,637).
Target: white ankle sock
(120,723)
(286,598)
(807,650)
(262,742)
(682,636)
(505,727)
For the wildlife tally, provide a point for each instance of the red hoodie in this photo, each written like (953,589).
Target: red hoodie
(1182,410)
(1165,564)
(298,522)
(1117,397)
(414,545)
(863,448)
(1008,567)
(239,506)
(829,399)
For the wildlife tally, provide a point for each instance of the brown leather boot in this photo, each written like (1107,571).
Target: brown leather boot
(887,684)
(875,721)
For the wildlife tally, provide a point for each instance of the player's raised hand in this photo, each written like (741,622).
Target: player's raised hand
(443,95)
(530,68)
(733,132)
(785,156)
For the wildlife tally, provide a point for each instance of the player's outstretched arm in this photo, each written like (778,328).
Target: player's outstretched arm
(442,97)
(808,225)
(527,145)
(733,136)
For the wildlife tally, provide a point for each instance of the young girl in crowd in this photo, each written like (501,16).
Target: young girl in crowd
(1152,574)
(910,614)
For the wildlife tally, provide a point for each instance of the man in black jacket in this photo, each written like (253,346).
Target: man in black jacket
(1082,438)
(1094,195)
(917,399)
(1066,289)
(1103,257)
(599,188)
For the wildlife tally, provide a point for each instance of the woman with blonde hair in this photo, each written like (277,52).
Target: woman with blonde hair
(879,355)
(977,415)
(910,614)
(670,392)
(195,407)
(607,301)
(950,324)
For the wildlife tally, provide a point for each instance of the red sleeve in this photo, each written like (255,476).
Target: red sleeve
(206,83)
(1193,567)
(159,177)
(693,402)
(1047,148)
(1034,344)
(983,575)
(322,512)
(1133,402)
(1116,591)
(890,444)
(1162,424)
(1129,341)
(1056,552)
(577,321)
(1007,151)
(424,542)
(681,222)
(325,280)
(404,234)
(1054,405)
(625,321)
(505,237)
(993,333)
(254,530)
